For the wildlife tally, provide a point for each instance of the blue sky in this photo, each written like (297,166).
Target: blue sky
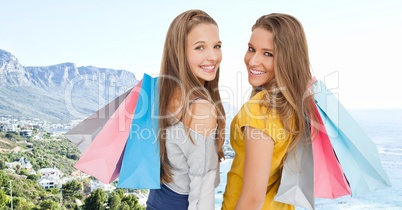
(355,46)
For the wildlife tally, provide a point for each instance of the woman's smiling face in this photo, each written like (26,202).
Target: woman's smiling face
(204,53)
(259,58)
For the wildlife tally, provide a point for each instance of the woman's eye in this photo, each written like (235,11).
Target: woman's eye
(218,46)
(250,49)
(268,54)
(199,48)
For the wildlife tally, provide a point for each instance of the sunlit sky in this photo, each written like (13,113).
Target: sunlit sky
(355,46)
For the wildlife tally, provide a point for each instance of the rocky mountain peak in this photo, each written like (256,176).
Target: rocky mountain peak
(11,71)
(46,91)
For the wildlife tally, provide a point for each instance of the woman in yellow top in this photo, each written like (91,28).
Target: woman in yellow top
(270,124)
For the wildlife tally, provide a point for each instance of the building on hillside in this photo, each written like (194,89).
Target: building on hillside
(98,184)
(46,183)
(12,165)
(50,173)
(26,133)
(11,127)
(24,163)
(3,126)
(50,178)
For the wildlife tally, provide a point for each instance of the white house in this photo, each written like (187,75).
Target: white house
(98,184)
(25,163)
(11,127)
(50,173)
(50,178)
(12,165)
(49,183)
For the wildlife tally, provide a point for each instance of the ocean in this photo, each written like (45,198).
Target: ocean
(384,127)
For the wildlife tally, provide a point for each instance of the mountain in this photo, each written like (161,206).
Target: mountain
(58,93)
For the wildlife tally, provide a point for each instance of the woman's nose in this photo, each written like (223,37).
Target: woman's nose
(254,60)
(213,55)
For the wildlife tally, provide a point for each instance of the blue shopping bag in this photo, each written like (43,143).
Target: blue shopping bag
(141,163)
(357,154)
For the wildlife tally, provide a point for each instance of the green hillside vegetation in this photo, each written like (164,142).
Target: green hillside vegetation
(51,151)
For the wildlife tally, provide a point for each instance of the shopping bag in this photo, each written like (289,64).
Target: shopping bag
(297,179)
(84,133)
(141,162)
(102,159)
(357,154)
(329,179)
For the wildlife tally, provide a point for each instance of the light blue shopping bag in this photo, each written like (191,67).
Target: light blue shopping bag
(357,154)
(141,163)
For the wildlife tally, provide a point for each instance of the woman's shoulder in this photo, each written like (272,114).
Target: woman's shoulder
(203,115)
(254,105)
(254,110)
(201,103)
(256,114)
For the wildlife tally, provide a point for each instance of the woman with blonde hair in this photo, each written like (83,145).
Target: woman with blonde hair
(268,126)
(192,119)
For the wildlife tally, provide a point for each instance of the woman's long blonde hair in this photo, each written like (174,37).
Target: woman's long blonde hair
(288,93)
(175,74)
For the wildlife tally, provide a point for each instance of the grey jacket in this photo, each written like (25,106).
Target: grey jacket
(195,166)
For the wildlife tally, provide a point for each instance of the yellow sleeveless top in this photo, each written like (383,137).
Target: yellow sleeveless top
(257,116)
